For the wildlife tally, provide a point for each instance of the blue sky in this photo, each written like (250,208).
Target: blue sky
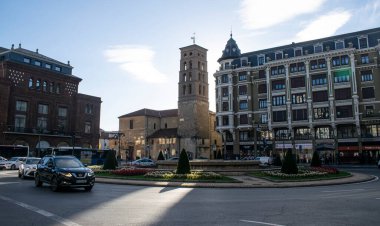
(127,51)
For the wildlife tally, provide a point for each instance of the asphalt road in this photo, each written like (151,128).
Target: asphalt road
(353,204)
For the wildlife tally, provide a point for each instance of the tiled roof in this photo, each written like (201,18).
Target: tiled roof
(152,113)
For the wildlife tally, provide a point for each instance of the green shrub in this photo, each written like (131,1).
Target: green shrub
(315,161)
(110,162)
(183,166)
(289,165)
(277,160)
(160,156)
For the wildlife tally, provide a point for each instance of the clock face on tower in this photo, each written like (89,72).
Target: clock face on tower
(227,50)
(233,49)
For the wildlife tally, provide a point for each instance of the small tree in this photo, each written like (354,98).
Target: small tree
(315,161)
(277,160)
(289,165)
(183,166)
(110,163)
(160,156)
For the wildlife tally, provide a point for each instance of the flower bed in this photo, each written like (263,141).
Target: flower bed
(194,175)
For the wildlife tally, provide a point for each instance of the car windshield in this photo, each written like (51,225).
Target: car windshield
(13,159)
(68,163)
(32,161)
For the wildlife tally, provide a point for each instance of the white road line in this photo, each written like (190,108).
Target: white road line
(2,183)
(258,222)
(378,198)
(41,211)
(333,191)
(365,182)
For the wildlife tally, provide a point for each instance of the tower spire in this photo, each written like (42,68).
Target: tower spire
(193,37)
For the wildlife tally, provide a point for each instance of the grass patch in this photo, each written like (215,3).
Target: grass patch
(220,179)
(329,176)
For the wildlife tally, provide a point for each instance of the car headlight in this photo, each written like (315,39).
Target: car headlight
(66,174)
(90,174)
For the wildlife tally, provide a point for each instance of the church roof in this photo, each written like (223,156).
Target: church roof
(231,51)
(152,113)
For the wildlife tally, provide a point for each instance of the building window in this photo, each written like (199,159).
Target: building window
(225,91)
(38,84)
(37,63)
(364,59)
(344,60)
(243,76)
(297,82)
(225,78)
(262,88)
(278,100)
(244,136)
(48,66)
(130,124)
(243,105)
(319,79)
(244,63)
(262,103)
(341,76)
(279,116)
(62,112)
(87,127)
(339,44)
(200,89)
(366,76)
(369,110)
(26,60)
(277,70)
(51,87)
(278,55)
(343,94)
(243,119)
(336,61)
(225,120)
(243,90)
(299,114)
(20,121)
(227,66)
(30,84)
(262,74)
(298,98)
(322,133)
(89,108)
(298,52)
(261,60)
(263,118)
(318,48)
(321,113)
(278,84)
(44,86)
(42,123)
(225,106)
(363,43)
(43,109)
(368,92)
(372,131)
(320,96)
(298,67)
(183,90)
(344,111)
(58,89)
(21,105)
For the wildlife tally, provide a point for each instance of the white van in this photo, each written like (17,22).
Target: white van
(265,160)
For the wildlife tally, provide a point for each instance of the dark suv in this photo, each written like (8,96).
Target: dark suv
(63,171)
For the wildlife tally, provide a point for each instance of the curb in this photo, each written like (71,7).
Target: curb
(246,182)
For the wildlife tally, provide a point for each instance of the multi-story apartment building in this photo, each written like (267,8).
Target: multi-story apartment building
(319,95)
(191,127)
(40,105)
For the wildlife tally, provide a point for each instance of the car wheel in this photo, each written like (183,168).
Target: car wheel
(13,167)
(54,184)
(88,188)
(37,181)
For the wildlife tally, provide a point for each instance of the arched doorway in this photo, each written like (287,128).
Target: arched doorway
(63,144)
(41,148)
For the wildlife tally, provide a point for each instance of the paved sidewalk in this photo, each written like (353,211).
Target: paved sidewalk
(244,182)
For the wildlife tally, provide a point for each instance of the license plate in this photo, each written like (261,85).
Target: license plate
(81,181)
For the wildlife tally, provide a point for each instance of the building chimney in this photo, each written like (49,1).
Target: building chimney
(68,62)
(36,50)
(19,45)
(13,46)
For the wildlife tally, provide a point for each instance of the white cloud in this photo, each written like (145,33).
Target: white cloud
(258,14)
(137,61)
(324,26)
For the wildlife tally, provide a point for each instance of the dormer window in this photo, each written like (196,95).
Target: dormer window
(261,60)
(318,48)
(339,44)
(57,68)
(278,55)
(298,51)
(26,60)
(363,42)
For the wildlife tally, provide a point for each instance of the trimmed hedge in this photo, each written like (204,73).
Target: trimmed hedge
(289,165)
(183,166)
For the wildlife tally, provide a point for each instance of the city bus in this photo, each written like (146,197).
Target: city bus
(9,151)
(85,155)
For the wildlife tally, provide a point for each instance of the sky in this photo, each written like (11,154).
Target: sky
(127,51)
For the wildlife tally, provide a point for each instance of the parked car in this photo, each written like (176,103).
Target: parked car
(63,171)
(144,162)
(173,159)
(13,163)
(265,160)
(378,164)
(2,159)
(27,168)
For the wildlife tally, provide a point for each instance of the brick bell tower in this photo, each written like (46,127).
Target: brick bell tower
(193,104)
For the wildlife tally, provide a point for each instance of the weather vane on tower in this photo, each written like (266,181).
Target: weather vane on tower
(193,38)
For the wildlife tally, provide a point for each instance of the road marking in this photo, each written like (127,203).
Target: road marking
(344,190)
(264,223)
(2,183)
(378,198)
(373,180)
(41,211)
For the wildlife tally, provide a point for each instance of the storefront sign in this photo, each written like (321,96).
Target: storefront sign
(371,147)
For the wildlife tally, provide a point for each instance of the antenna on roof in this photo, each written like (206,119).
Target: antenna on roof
(19,45)
(193,37)
(13,46)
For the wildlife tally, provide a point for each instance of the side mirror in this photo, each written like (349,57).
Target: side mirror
(50,165)
(85,165)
